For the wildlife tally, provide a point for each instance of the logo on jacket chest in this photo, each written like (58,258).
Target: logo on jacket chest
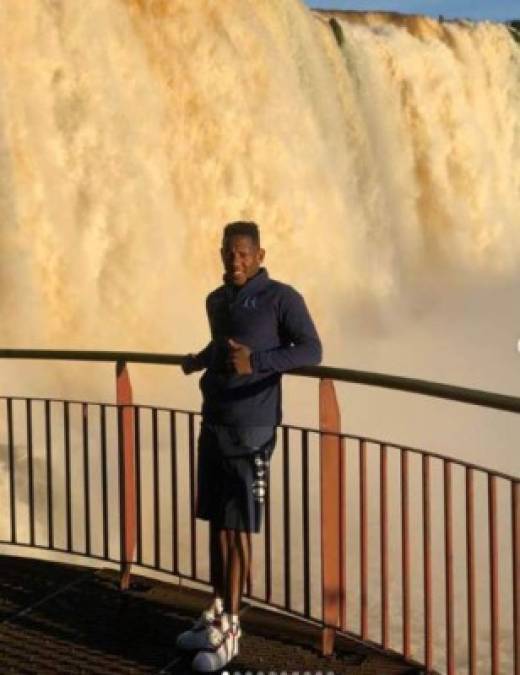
(249,302)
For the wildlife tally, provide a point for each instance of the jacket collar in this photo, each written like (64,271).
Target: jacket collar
(251,286)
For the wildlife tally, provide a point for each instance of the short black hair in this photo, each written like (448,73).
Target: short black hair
(242,228)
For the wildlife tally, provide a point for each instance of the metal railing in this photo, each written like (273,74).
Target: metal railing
(117,482)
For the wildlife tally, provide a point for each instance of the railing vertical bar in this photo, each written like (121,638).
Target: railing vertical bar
(286,520)
(515,505)
(342,536)
(405,534)
(470,563)
(305,523)
(267,543)
(30,469)
(384,544)
(12,468)
(174,492)
(427,563)
(104,479)
(363,532)
(122,486)
(68,493)
(249,580)
(86,476)
(493,571)
(48,468)
(193,542)
(448,551)
(138,495)
(155,490)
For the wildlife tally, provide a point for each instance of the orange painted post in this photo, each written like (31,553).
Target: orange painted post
(332,531)
(126,471)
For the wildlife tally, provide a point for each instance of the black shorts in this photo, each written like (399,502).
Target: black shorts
(228,471)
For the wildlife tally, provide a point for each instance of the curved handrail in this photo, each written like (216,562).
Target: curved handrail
(436,389)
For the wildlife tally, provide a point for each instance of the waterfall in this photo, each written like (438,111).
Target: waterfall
(132,131)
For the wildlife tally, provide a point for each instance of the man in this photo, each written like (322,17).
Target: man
(260,328)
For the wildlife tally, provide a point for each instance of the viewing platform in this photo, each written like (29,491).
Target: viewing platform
(57,618)
(371,551)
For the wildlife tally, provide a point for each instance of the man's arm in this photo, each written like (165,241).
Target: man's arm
(298,327)
(194,362)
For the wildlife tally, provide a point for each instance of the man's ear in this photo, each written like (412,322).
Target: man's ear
(261,255)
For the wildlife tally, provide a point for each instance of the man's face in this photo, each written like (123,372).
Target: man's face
(241,258)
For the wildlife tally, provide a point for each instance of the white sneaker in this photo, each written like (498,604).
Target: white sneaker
(197,636)
(224,647)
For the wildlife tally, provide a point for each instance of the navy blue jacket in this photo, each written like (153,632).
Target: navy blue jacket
(272,320)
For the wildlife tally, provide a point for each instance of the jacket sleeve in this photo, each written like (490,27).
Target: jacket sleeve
(298,330)
(202,360)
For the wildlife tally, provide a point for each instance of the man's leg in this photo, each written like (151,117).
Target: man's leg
(230,565)
(208,468)
(239,510)
(229,562)
(238,563)
(218,560)
(198,637)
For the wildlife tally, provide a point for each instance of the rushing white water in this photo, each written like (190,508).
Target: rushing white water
(380,155)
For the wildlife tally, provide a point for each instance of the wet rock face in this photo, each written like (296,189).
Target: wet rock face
(514,27)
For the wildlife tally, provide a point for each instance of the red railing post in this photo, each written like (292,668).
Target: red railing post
(126,471)
(332,516)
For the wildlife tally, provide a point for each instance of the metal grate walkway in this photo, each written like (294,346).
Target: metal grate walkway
(57,618)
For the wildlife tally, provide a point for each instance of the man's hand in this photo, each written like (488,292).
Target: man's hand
(240,357)
(188,364)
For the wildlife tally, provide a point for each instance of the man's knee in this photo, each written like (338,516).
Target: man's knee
(231,538)
(236,538)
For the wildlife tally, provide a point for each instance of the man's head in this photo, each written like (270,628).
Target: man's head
(241,252)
